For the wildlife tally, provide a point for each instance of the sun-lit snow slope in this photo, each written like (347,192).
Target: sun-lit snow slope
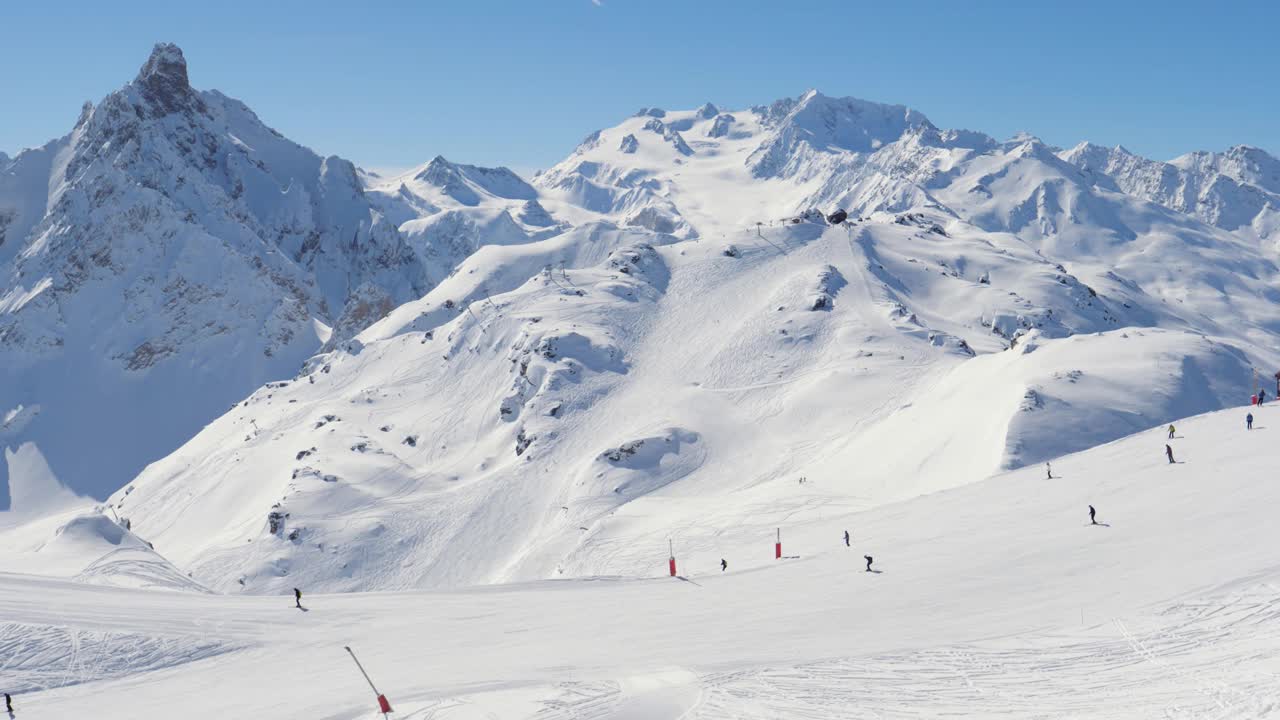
(1236,190)
(502,429)
(50,531)
(706,172)
(447,211)
(164,258)
(996,598)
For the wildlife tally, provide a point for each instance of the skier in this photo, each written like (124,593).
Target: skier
(724,565)
(1093,516)
(868,559)
(1262,395)
(8,704)
(1248,421)
(1168,451)
(297,598)
(846,538)
(1048,471)
(1170,432)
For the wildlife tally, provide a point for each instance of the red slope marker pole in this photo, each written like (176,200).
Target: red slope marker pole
(383,705)
(777,546)
(672,557)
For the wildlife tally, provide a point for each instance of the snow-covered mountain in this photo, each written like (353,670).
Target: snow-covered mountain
(668,329)
(1236,190)
(173,252)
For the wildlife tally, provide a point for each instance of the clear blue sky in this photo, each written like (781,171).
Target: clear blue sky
(519,83)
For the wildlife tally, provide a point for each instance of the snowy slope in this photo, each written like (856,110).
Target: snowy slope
(665,323)
(997,598)
(173,252)
(465,379)
(502,429)
(1235,190)
(50,531)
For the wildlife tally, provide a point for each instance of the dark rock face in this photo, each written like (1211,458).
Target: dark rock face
(163,79)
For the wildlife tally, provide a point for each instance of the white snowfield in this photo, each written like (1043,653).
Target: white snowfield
(485,406)
(996,598)
(533,434)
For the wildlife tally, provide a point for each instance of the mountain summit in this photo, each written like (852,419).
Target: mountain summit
(168,255)
(163,78)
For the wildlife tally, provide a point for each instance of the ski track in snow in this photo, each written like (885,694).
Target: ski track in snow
(43,657)
(1163,613)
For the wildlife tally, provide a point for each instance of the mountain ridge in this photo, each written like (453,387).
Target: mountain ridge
(675,312)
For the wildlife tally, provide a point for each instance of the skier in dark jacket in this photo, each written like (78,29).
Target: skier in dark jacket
(1093,516)
(868,558)
(846,538)
(724,565)
(297,598)
(1262,395)
(8,703)
(1168,451)
(1248,421)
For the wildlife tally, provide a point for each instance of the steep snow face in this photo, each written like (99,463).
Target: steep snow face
(167,256)
(505,428)
(507,372)
(1235,190)
(448,211)
(802,129)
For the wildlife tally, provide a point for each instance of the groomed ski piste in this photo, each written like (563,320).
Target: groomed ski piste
(997,598)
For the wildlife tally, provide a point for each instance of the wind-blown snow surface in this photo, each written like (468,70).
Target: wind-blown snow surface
(996,598)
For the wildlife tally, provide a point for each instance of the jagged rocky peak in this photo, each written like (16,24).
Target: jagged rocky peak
(86,111)
(438,172)
(708,111)
(163,78)
(847,122)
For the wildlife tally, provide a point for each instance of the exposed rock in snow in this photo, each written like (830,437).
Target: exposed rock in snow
(1238,189)
(172,236)
(721,126)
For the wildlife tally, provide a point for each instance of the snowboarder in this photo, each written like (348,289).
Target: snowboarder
(724,565)
(846,538)
(1248,421)
(1093,516)
(1170,432)
(1048,471)
(8,703)
(297,598)
(1168,451)
(868,559)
